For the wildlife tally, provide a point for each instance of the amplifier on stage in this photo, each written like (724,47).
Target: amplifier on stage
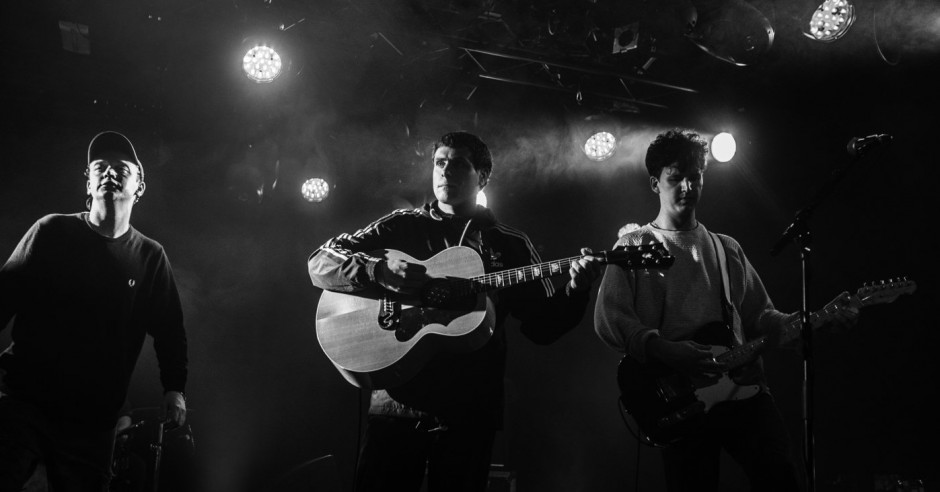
(501,479)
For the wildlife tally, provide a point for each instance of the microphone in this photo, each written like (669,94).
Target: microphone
(859,145)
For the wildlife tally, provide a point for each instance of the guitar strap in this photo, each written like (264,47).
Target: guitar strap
(727,308)
(752,373)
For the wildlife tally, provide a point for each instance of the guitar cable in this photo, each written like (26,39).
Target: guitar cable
(635,432)
(636,469)
(639,443)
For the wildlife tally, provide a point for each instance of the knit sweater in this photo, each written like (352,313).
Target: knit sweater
(634,305)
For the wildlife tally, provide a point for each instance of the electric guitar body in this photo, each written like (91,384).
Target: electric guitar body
(668,406)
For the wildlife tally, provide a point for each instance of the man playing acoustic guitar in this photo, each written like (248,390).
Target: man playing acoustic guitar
(445,417)
(657,318)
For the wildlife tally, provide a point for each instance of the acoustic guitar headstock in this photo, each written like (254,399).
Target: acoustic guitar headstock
(653,255)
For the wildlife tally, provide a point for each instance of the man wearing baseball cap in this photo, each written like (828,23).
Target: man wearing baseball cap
(85,289)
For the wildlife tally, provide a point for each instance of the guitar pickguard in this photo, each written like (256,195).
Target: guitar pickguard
(448,293)
(415,319)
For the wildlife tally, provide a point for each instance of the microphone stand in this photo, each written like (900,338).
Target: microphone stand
(798,231)
(157,448)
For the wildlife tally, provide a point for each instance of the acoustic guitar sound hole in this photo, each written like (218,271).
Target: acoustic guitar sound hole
(448,293)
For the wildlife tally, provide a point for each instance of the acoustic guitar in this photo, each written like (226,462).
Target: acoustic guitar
(667,406)
(380,339)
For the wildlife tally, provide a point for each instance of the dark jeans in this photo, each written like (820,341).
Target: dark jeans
(752,432)
(76,459)
(396,451)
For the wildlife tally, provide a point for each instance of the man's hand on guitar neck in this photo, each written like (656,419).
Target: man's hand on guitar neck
(399,276)
(584,271)
(842,312)
(686,357)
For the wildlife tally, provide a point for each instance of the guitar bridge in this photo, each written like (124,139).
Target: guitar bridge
(674,418)
(389,314)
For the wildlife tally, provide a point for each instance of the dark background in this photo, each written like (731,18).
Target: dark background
(371,83)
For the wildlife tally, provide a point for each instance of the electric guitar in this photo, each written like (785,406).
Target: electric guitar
(380,339)
(667,406)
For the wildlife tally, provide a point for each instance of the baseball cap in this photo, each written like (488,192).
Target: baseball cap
(113,141)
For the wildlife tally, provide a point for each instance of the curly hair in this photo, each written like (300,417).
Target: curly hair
(683,148)
(479,152)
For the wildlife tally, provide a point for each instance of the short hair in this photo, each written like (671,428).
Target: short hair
(479,153)
(683,148)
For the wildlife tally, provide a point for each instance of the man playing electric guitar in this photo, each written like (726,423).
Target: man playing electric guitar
(655,317)
(447,415)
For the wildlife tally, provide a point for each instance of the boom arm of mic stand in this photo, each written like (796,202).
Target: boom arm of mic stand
(798,227)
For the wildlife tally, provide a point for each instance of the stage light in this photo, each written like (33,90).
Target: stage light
(315,190)
(831,20)
(600,146)
(723,147)
(735,32)
(626,38)
(262,64)
(481,198)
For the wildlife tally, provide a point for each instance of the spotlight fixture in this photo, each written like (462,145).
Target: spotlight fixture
(723,147)
(736,32)
(600,146)
(831,20)
(626,38)
(315,190)
(262,64)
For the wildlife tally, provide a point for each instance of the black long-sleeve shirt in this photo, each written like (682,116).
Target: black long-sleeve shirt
(83,304)
(457,388)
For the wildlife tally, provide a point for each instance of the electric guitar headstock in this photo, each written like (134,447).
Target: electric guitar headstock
(869,294)
(884,291)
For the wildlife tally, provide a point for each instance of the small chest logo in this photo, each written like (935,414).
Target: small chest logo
(131,282)
(494,259)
